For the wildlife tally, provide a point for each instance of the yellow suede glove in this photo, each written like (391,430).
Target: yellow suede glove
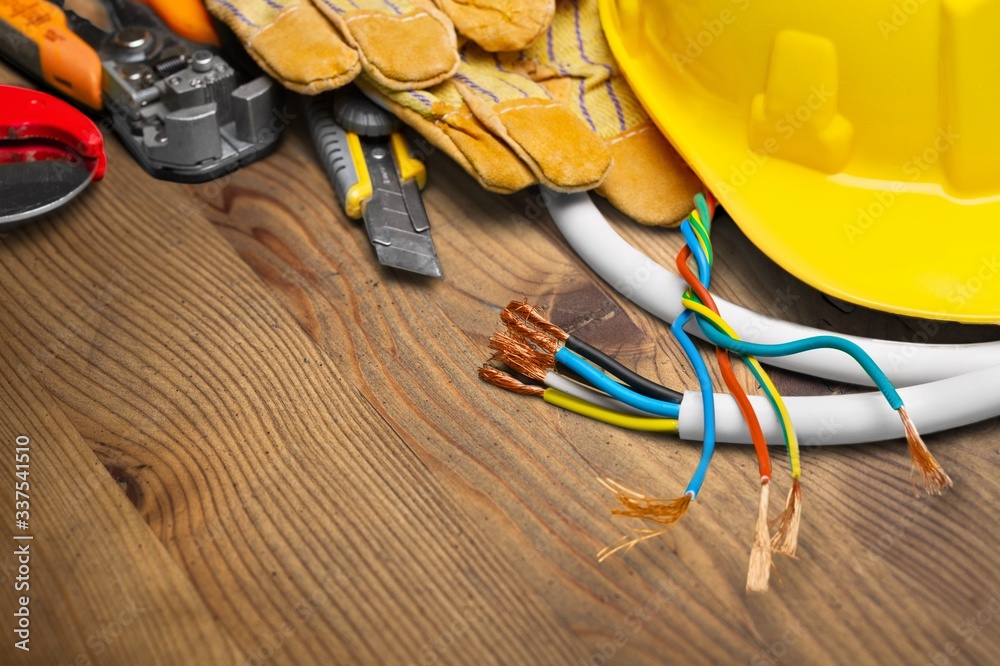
(552,108)
(648,181)
(316,45)
(508,119)
(502,127)
(400,44)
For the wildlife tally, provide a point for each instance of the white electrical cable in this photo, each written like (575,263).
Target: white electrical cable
(593,396)
(853,419)
(949,385)
(658,291)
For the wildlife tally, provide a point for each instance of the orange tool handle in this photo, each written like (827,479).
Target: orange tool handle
(187,18)
(38,39)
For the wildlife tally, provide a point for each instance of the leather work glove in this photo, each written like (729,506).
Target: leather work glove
(551,108)
(516,118)
(317,45)
(648,181)
(502,127)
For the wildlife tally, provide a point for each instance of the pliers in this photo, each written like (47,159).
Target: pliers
(49,152)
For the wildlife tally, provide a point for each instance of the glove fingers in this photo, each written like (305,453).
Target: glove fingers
(558,147)
(293,43)
(573,61)
(649,181)
(401,46)
(440,116)
(500,25)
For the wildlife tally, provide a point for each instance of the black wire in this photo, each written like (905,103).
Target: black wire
(635,381)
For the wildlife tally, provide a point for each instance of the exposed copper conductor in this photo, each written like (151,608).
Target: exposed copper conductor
(934,478)
(786,537)
(759,571)
(518,327)
(536,317)
(498,377)
(521,356)
(639,505)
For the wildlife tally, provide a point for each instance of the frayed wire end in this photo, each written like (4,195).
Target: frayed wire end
(759,571)
(634,504)
(786,537)
(498,377)
(925,466)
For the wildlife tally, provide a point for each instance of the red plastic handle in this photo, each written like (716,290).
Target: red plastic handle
(28,114)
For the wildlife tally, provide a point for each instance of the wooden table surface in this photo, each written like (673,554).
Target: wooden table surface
(251,444)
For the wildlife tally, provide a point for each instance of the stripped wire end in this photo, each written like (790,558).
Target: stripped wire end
(786,537)
(521,356)
(498,377)
(933,477)
(535,316)
(759,571)
(519,328)
(639,505)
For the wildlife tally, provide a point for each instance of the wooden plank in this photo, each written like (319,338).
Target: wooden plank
(306,521)
(83,576)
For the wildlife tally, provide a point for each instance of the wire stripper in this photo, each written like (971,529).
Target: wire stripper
(182,111)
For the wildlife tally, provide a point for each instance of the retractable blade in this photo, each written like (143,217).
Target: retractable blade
(375,177)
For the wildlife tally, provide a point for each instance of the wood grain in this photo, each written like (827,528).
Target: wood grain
(323,479)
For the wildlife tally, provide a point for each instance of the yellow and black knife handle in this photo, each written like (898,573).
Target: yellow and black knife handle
(343,158)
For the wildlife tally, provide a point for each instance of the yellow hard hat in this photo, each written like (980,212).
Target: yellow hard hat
(856,143)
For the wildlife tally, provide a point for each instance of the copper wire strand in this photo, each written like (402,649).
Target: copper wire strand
(933,477)
(535,316)
(761,561)
(498,377)
(785,540)
(639,505)
(518,327)
(522,357)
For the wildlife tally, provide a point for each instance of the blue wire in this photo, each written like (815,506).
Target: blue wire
(707,399)
(720,339)
(596,377)
(704,267)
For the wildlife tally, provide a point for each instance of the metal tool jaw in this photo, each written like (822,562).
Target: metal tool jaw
(182,111)
(49,152)
(375,177)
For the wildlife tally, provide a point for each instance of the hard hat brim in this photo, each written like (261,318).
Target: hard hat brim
(902,247)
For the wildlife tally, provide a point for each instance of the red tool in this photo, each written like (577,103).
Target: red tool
(49,152)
